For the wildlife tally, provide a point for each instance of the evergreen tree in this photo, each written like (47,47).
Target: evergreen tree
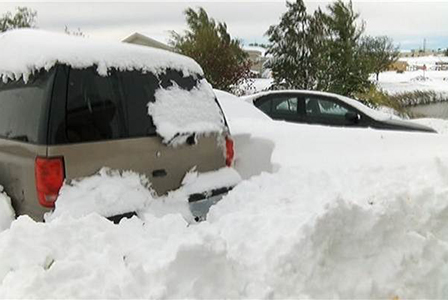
(322,51)
(349,70)
(381,53)
(290,48)
(225,64)
(23,18)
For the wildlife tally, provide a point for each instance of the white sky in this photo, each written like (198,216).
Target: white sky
(407,22)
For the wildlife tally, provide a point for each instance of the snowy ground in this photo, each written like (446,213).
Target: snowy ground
(393,82)
(322,213)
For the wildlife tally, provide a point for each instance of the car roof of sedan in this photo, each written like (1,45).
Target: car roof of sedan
(25,51)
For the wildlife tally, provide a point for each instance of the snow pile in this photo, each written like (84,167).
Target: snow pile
(6,211)
(25,51)
(366,232)
(354,233)
(346,213)
(195,182)
(178,112)
(107,193)
(396,83)
(236,108)
(110,193)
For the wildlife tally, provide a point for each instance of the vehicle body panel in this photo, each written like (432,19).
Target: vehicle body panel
(17,175)
(165,166)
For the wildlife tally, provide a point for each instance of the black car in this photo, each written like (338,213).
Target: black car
(326,109)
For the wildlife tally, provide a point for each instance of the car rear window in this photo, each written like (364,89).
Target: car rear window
(95,109)
(115,106)
(23,108)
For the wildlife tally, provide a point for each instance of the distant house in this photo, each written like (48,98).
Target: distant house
(399,66)
(258,58)
(143,40)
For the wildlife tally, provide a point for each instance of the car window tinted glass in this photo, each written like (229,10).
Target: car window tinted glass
(138,91)
(115,106)
(94,107)
(265,106)
(324,107)
(170,77)
(23,108)
(285,105)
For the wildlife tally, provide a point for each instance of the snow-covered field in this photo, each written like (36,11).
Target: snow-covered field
(322,213)
(393,82)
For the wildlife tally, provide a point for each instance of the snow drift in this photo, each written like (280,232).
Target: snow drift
(346,213)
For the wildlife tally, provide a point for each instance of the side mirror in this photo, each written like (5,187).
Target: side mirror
(352,117)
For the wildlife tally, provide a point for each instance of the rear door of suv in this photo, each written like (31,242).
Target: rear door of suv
(104,122)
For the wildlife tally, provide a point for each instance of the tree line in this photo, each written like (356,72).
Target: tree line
(324,50)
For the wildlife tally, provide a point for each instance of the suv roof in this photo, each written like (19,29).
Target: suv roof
(25,51)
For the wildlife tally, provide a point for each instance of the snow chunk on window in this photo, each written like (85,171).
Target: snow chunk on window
(25,51)
(108,193)
(6,211)
(178,112)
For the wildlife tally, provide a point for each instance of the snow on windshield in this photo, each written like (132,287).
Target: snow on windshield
(25,51)
(179,112)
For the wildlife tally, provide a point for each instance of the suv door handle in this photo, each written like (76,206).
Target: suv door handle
(159,173)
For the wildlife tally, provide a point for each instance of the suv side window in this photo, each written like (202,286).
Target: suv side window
(94,107)
(23,108)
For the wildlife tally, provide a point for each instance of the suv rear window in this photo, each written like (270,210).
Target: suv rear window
(23,108)
(94,107)
(116,106)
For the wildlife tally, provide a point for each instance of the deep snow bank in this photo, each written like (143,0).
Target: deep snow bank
(108,193)
(347,213)
(367,233)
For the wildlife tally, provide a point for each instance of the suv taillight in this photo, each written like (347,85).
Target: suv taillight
(230,153)
(50,176)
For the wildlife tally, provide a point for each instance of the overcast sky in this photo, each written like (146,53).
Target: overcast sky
(407,22)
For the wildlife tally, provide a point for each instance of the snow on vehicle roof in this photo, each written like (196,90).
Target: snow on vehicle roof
(377,115)
(25,51)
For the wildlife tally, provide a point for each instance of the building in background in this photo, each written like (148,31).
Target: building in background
(258,58)
(143,40)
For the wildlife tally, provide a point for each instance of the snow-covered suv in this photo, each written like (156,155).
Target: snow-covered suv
(70,106)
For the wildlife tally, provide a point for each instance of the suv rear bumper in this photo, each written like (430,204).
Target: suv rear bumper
(200,203)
